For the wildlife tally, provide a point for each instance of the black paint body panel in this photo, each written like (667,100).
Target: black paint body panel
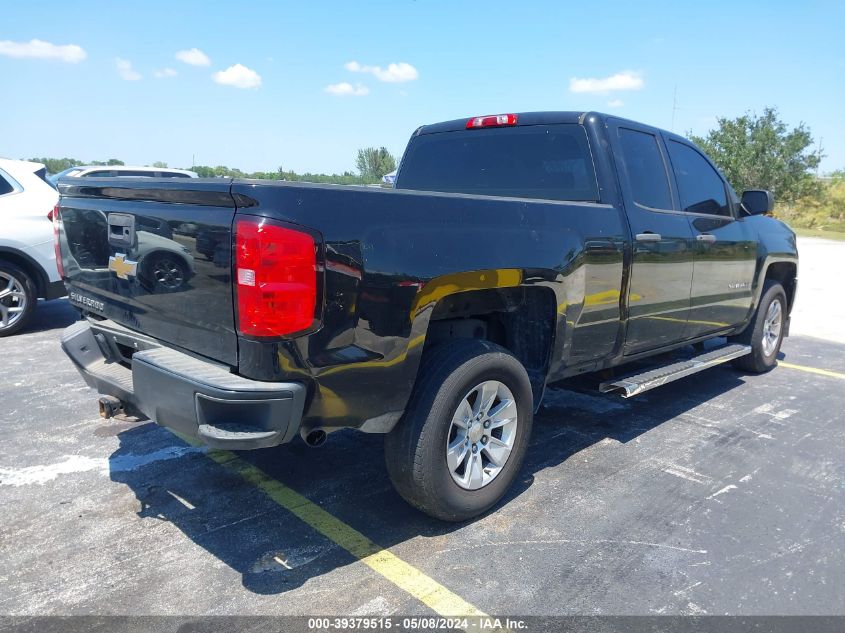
(390,257)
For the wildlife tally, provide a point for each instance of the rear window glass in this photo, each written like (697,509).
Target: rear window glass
(552,162)
(5,186)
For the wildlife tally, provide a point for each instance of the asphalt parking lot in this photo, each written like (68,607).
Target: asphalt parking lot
(721,493)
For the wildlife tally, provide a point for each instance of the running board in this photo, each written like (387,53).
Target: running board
(638,383)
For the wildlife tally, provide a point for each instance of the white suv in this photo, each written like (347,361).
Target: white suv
(111,171)
(27,251)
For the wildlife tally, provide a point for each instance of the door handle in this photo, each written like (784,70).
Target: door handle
(648,237)
(705,237)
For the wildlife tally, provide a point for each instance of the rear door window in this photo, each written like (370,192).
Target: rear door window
(700,187)
(647,177)
(552,162)
(5,186)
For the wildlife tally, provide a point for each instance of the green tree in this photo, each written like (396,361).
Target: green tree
(55,165)
(109,163)
(375,162)
(160,164)
(760,152)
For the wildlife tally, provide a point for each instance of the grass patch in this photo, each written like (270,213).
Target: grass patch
(827,234)
(822,214)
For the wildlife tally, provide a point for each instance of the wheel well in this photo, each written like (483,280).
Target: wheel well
(522,320)
(29,266)
(785,273)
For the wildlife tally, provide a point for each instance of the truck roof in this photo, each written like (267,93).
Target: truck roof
(530,118)
(523,118)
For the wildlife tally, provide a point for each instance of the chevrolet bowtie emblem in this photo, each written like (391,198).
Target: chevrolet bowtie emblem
(122,267)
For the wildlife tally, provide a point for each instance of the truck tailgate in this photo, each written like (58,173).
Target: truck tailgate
(155,256)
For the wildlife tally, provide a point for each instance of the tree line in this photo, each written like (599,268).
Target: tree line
(372,164)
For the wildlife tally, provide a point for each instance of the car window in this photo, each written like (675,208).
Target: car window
(98,174)
(171,174)
(700,187)
(646,170)
(551,162)
(5,186)
(136,173)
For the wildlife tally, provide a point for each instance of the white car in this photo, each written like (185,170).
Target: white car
(111,171)
(27,250)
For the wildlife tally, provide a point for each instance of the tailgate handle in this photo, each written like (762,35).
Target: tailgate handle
(121,229)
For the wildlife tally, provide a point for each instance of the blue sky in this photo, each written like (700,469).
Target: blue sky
(451,59)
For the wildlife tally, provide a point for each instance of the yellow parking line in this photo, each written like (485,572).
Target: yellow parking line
(813,370)
(402,574)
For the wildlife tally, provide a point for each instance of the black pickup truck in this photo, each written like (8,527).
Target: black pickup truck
(515,250)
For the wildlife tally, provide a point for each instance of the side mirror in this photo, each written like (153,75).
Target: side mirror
(758,201)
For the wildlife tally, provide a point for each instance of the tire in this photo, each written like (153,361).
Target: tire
(764,349)
(453,376)
(17,290)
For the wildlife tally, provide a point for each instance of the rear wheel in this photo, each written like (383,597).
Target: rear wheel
(765,332)
(18,297)
(463,437)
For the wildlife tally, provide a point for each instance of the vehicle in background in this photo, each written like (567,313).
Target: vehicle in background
(27,251)
(113,171)
(515,250)
(389,179)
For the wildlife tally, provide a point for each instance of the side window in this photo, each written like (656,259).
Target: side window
(5,186)
(646,171)
(700,187)
(135,174)
(98,174)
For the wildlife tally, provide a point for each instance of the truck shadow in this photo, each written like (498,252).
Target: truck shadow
(275,552)
(51,315)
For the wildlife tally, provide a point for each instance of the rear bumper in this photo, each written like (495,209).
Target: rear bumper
(185,394)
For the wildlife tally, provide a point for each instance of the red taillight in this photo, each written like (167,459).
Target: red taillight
(492,120)
(54,218)
(276,275)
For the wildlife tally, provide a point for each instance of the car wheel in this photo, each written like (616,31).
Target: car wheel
(765,332)
(464,434)
(18,297)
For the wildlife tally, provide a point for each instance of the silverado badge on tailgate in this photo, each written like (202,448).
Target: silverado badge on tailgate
(122,267)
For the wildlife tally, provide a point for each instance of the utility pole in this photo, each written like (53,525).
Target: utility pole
(674,106)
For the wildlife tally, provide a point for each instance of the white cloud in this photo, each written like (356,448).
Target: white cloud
(238,76)
(194,57)
(125,70)
(39,49)
(615,103)
(625,80)
(164,72)
(344,89)
(394,73)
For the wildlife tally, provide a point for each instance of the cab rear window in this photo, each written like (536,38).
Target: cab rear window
(551,162)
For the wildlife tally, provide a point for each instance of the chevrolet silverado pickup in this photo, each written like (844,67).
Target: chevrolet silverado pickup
(515,250)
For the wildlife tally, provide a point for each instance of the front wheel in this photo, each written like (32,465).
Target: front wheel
(462,440)
(765,332)
(18,297)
